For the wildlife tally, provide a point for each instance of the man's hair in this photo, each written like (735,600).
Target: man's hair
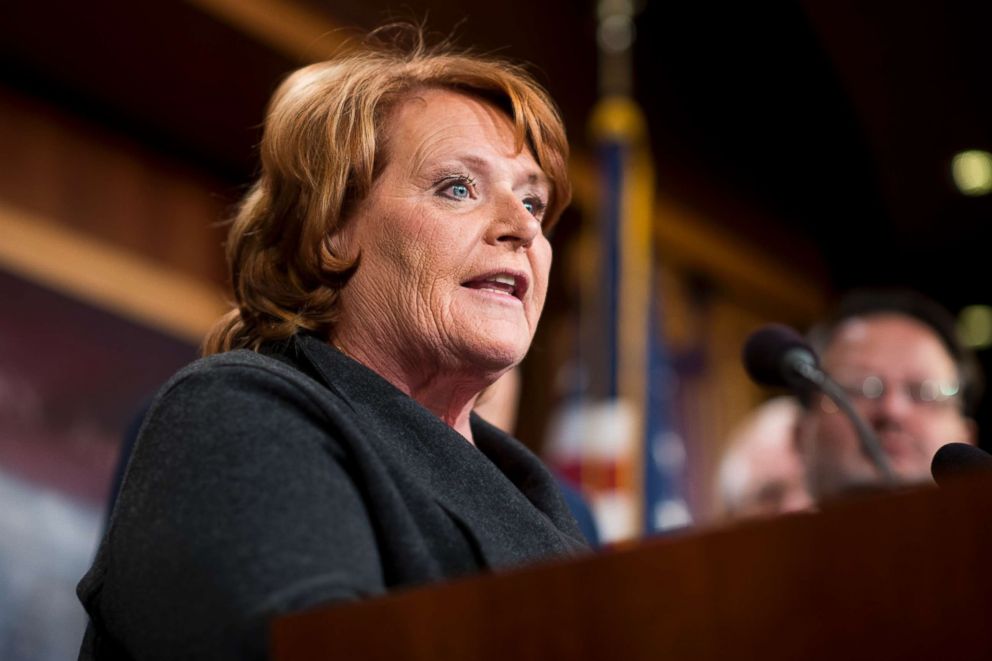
(323,147)
(862,303)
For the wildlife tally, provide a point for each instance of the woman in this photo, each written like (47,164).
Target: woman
(389,264)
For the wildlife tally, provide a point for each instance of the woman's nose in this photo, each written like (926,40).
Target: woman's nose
(515,224)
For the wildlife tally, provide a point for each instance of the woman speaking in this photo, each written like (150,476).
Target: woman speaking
(389,264)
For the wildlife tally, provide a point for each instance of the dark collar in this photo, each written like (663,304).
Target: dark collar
(466,479)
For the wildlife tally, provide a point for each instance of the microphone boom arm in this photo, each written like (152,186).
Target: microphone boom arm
(869,442)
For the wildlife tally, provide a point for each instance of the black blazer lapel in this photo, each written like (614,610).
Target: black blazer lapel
(497,493)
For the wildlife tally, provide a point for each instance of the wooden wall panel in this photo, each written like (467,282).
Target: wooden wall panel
(86,178)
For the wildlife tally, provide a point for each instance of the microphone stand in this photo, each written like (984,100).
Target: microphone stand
(801,362)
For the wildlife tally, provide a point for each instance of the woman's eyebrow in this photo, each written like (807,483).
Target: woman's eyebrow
(426,158)
(538,179)
(475,162)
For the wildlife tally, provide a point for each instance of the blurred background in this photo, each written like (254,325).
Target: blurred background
(734,164)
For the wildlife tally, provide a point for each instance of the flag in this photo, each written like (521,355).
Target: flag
(648,456)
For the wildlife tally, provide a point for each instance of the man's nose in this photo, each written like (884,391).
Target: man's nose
(894,403)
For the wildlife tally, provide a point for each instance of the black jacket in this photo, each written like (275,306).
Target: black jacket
(262,484)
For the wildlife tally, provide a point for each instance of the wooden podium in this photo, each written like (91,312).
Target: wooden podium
(896,576)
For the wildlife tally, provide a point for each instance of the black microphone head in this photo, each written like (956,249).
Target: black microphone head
(956,459)
(765,350)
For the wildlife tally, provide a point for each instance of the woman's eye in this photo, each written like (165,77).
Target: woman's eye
(457,188)
(535,206)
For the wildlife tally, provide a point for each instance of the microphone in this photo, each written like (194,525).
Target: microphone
(776,355)
(958,459)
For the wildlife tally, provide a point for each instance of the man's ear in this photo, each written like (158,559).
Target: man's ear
(800,431)
(971,431)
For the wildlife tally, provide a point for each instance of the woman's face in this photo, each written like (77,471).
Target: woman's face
(454,263)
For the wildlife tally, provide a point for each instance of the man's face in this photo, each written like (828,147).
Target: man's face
(903,382)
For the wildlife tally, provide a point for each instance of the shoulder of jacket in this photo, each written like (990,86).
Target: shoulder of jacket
(242,368)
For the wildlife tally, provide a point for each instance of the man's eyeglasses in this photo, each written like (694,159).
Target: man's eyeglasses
(928,392)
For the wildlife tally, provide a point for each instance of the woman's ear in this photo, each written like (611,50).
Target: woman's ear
(339,244)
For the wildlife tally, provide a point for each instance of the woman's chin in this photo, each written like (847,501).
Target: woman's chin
(491,355)
(490,344)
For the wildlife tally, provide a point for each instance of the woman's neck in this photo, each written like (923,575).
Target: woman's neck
(450,394)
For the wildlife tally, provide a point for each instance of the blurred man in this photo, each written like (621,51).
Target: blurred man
(760,473)
(898,357)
